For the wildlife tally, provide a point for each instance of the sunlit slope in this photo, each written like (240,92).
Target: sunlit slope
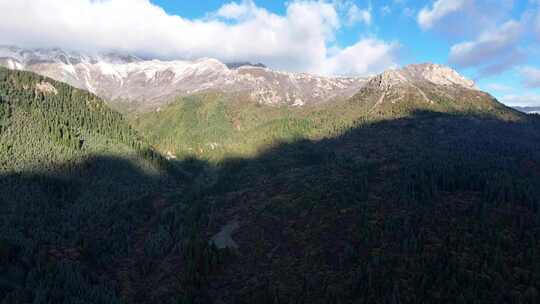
(44,122)
(214,126)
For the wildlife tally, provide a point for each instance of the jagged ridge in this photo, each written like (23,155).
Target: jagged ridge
(153,82)
(140,84)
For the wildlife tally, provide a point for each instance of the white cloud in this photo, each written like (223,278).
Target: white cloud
(464,19)
(531,77)
(356,15)
(301,39)
(375,56)
(236,10)
(492,40)
(525,100)
(427,17)
(490,48)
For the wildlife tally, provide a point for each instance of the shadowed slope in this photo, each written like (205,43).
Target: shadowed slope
(432,208)
(377,213)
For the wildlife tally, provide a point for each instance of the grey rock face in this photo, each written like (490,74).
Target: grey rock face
(151,83)
(421,85)
(426,73)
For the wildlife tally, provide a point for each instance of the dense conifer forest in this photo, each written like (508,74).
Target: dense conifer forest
(329,204)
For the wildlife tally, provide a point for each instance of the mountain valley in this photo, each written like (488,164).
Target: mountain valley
(126,180)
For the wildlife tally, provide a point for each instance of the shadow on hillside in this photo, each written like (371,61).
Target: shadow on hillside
(432,208)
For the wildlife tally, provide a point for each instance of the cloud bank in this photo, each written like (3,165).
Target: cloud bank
(486,35)
(493,51)
(428,16)
(302,39)
(525,100)
(464,18)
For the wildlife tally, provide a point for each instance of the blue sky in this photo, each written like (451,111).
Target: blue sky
(494,42)
(398,20)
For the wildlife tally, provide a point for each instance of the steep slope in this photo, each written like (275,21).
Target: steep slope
(429,208)
(44,121)
(426,86)
(213,126)
(417,202)
(133,83)
(76,182)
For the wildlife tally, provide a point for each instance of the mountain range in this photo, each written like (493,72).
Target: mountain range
(529,110)
(131,82)
(148,84)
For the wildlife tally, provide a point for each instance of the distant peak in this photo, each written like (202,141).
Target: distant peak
(113,57)
(55,54)
(423,72)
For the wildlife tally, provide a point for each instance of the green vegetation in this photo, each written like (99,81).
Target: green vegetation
(215,126)
(78,188)
(348,202)
(48,123)
(432,208)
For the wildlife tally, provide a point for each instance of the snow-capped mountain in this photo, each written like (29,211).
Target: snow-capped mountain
(148,84)
(151,83)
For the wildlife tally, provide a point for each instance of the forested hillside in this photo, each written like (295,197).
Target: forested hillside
(428,199)
(434,199)
(429,208)
(215,126)
(48,123)
(75,181)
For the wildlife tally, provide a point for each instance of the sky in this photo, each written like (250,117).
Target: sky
(494,42)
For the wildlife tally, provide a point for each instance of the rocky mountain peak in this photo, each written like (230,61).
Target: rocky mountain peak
(438,74)
(421,74)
